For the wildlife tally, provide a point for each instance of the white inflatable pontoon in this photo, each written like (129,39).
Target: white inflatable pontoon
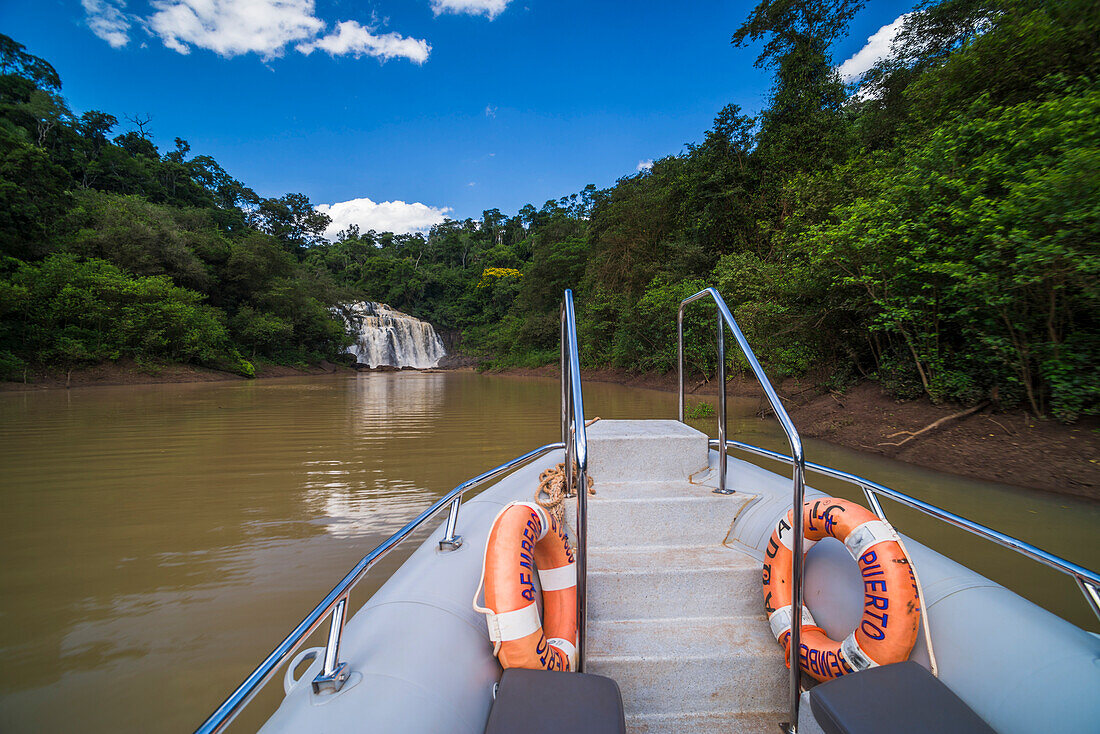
(669,555)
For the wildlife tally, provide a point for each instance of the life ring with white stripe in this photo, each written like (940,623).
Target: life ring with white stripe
(524,540)
(888,628)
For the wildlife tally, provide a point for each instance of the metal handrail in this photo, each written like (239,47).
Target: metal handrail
(575,438)
(333,672)
(336,600)
(725,319)
(1088,581)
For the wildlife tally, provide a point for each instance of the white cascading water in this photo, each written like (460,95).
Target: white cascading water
(388,337)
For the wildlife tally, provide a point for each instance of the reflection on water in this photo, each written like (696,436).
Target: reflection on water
(159,540)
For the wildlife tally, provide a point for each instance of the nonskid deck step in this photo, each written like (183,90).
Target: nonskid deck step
(691,665)
(685,638)
(691,687)
(669,513)
(684,487)
(672,557)
(703,592)
(712,722)
(645,450)
(674,616)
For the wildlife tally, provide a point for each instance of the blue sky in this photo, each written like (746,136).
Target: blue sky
(435,106)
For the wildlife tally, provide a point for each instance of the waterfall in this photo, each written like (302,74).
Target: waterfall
(388,337)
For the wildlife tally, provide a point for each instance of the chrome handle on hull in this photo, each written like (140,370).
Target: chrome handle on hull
(245,692)
(450,540)
(333,674)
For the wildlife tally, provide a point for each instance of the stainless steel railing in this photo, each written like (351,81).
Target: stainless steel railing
(798,462)
(1088,581)
(575,438)
(334,672)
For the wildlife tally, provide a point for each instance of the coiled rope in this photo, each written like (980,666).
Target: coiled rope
(551,494)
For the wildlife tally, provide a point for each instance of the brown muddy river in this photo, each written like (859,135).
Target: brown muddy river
(159,540)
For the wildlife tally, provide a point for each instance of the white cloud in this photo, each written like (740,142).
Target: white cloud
(107,20)
(234,27)
(490,111)
(644,166)
(876,48)
(350,37)
(384,216)
(489,8)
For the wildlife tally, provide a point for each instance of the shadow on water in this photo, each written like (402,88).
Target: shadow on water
(161,539)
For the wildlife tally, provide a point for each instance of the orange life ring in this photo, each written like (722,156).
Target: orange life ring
(891,604)
(526,539)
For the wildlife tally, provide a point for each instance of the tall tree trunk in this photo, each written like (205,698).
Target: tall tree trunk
(916,360)
(1022,364)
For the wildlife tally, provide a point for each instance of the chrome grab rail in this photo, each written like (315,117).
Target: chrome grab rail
(725,318)
(575,437)
(334,672)
(1088,581)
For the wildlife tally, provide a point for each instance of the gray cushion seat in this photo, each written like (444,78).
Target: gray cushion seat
(902,698)
(550,702)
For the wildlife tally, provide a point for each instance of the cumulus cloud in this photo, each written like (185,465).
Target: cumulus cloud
(352,38)
(490,111)
(644,166)
(876,49)
(235,27)
(107,20)
(488,8)
(383,216)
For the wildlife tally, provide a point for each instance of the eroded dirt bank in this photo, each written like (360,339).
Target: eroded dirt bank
(126,372)
(1010,447)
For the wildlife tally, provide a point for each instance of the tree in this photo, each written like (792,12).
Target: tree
(803,128)
(791,24)
(33,197)
(293,221)
(14,59)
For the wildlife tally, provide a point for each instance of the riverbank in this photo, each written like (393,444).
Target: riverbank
(128,372)
(1011,447)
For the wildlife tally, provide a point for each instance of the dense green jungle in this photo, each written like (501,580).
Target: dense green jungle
(933,227)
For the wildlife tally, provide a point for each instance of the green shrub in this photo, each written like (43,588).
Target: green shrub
(70,312)
(11,366)
(698,411)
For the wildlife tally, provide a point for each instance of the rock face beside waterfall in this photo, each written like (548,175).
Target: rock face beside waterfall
(388,337)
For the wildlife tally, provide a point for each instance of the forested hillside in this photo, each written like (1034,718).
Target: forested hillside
(933,228)
(112,249)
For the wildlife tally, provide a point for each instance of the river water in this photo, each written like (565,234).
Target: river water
(159,540)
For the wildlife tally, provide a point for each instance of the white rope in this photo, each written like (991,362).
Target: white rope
(481,581)
(923,609)
(877,531)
